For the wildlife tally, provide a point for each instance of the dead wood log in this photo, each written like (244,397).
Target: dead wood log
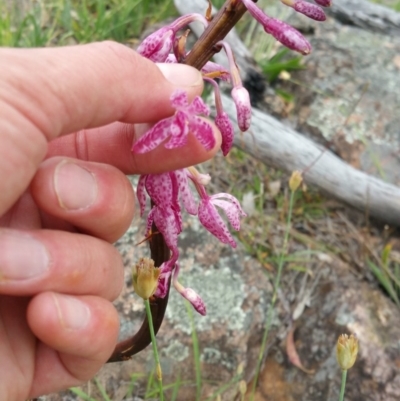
(364,14)
(279,146)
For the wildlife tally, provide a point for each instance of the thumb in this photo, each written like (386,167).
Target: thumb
(45,93)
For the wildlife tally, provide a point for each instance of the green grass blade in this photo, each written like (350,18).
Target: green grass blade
(196,351)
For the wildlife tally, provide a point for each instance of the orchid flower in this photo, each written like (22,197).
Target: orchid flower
(178,127)
(209,216)
(239,93)
(222,120)
(158,45)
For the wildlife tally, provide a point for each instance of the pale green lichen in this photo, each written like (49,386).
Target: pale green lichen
(176,351)
(223,293)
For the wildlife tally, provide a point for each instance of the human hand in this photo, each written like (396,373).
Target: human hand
(66,130)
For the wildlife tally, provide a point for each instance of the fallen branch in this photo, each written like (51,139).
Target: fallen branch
(364,14)
(279,146)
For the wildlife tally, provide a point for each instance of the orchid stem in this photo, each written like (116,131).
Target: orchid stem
(223,22)
(155,351)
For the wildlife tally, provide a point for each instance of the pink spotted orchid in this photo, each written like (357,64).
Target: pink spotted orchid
(177,127)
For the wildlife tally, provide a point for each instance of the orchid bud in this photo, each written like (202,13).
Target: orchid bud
(158,45)
(308,9)
(324,3)
(195,300)
(224,124)
(346,351)
(145,278)
(189,294)
(243,107)
(281,31)
(295,180)
(288,36)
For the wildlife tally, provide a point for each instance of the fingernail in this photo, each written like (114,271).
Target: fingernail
(76,187)
(181,74)
(72,313)
(22,257)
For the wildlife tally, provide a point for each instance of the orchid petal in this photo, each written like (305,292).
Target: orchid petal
(186,194)
(141,193)
(163,284)
(150,219)
(169,225)
(198,107)
(158,45)
(153,137)
(231,211)
(231,198)
(179,131)
(203,131)
(241,98)
(213,222)
(160,189)
(179,99)
(195,299)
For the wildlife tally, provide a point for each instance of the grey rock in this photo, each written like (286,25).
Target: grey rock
(349,98)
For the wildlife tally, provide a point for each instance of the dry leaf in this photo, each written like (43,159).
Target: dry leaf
(292,353)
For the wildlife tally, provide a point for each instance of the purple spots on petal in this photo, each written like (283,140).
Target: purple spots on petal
(203,131)
(198,107)
(158,45)
(241,98)
(179,99)
(185,193)
(310,10)
(224,124)
(153,137)
(141,193)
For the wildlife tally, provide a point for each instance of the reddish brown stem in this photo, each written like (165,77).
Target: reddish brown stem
(226,18)
(124,350)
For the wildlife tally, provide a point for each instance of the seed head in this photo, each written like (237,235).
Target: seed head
(145,278)
(346,351)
